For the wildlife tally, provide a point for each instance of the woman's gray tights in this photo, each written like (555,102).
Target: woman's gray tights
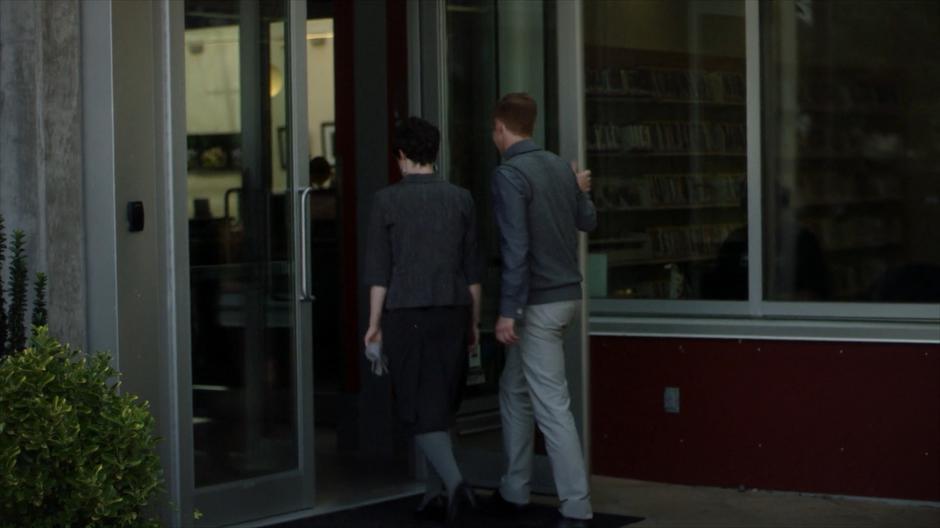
(442,466)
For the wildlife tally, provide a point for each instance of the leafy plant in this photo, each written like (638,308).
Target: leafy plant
(3,308)
(13,328)
(73,451)
(39,301)
(17,317)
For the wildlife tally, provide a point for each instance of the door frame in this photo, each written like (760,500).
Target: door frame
(572,144)
(282,492)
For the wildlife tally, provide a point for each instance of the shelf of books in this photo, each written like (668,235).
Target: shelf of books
(666,142)
(850,186)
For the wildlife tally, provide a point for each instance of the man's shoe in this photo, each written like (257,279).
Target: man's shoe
(434,510)
(460,505)
(498,506)
(569,522)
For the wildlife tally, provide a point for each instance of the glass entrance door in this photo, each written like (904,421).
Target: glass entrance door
(492,48)
(251,383)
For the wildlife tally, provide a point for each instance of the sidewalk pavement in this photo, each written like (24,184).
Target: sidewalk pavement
(669,505)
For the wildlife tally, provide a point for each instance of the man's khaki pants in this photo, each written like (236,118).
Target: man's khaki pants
(534,379)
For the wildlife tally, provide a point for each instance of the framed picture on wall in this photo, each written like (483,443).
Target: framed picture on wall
(328,140)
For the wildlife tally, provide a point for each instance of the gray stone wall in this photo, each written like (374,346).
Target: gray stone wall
(40,149)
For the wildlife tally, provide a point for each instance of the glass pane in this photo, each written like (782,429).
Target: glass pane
(665,125)
(493,48)
(472,91)
(325,228)
(852,189)
(244,399)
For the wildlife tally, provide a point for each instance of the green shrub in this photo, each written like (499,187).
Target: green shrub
(13,324)
(3,299)
(73,451)
(16,319)
(40,316)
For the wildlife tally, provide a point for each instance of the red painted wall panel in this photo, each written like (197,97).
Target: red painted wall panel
(841,418)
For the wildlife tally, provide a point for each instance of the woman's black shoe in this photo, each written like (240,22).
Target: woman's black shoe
(434,510)
(460,505)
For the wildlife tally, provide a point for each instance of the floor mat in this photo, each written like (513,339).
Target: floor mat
(398,514)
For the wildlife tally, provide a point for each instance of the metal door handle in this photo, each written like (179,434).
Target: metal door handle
(305,294)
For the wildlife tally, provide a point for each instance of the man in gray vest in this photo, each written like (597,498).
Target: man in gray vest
(540,205)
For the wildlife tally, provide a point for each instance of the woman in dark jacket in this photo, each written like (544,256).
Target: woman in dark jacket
(424,273)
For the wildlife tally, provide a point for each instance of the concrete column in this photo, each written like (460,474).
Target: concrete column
(522,54)
(61,166)
(40,150)
(19,137)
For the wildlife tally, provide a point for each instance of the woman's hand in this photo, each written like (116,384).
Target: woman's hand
(373,335)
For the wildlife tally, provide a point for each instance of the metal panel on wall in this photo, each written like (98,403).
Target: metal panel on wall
(827,417)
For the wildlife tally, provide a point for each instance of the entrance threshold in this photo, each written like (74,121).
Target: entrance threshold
(399,492)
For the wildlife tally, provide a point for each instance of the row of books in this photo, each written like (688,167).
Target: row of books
(831,188)
(848,94)
(669,190)
(696,241)
(819,139)
(668,136)
(658,83)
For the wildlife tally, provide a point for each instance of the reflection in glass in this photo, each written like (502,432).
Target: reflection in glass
(240,231)
(472,89)
(666,142)
(493,48)
(851,189)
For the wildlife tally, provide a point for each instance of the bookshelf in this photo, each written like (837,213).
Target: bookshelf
(666,142)
(851,184)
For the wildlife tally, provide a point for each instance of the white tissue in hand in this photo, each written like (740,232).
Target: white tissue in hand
(377,358)
(374,351)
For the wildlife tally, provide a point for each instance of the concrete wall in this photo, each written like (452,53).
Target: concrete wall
(78,141)
(40,150)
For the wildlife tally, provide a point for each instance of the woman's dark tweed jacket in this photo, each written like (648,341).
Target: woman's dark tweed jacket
(423,243)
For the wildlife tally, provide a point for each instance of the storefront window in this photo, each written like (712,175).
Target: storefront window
(852,150)
(666,141)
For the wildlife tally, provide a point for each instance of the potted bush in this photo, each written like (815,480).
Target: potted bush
(73,450)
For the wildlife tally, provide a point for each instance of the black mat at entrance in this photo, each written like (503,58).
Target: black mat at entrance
(398,514)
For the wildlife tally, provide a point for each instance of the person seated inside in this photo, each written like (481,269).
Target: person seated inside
(321,174)
(323,201)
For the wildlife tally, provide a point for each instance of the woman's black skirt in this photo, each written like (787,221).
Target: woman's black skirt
(427,359)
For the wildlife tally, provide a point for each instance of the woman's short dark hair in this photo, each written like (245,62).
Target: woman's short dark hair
(418,139)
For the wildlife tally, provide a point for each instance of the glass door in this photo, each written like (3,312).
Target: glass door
(490,48)
(250,306)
